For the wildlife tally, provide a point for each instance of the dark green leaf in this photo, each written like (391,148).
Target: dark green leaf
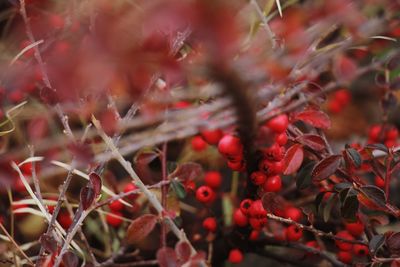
(374,193)
(328,207)
(179,189)
(326,167)
(339,187)
(375,243)
(380,147)
(303,178)
(350,207)
(354,156)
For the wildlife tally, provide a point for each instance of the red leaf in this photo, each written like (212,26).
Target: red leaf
(345,68)
(315,142)
(326,167)
(140,228)
(87,197)
(393,243)
(316,118)
(166,257)
(293,159)
(49,243)
(187,171)
(183,251)
(70,259)
(95,182)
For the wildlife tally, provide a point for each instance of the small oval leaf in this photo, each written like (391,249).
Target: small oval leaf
(183,251)
(69,259)
(87,197)
(95,182)
(316,118)
(166,257)
(326,167)
(315,142)
(293,159)
(140,228)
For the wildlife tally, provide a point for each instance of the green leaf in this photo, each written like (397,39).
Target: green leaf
(303,178)
(354,156)
(328,207)
(350,206)
(179,189)
(376,242)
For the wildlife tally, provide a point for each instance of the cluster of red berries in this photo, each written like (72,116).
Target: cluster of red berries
(348,250)
(387,135)
(115,216)
(340,100)
(206,193)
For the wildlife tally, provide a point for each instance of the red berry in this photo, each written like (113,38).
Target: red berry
(205,194)
(256,224)
(114,219)
(212,137)
(390,143)
(392,134)
(182,105)
(279,123)
(274,152)
(254,235)
(230,145)
(312,244)
(360,250)
(293,233)
(116,205)
(273,184)
(281,139)
(213,179)
(239,218)
(379,182)
(257,210)
(236,165)
(258,178)
(235,256)
(198,143)
(293,213)
(345,257)
(57,21)
(374,132)
(129,187)
(64,219)
(343,96)
(210,224)
(342,245)
(245,205)
(356,228)
(334,106)
(190,186)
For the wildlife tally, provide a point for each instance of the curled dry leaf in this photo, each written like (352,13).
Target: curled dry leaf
(140,228)
(187,171)
(95,182)
(87,197)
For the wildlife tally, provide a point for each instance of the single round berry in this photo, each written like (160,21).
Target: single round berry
(245,205)
(312,244)
(294,214)
(279,123)
(334,106)
(374,132)
(116,205)
(64,218)
(345,257)
(212,137)
(254,235)
(230,145)
(343,96)
(258,178)
(392,134)
(275,152)
(213,179)
(114,219)
(239,218)
(198,143)
(360,250)
(257,210)
(273,184)
(356,228)
(235,256)
(293,233)
(129,187)
(210,224)
(379,182)
(281,139)
(342,245)
(205,194)
(236,165)
(276,167)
